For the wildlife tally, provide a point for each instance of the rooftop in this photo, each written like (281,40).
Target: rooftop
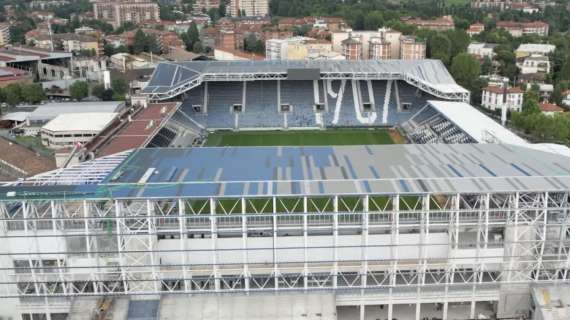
(536,47)
(51,110)
(25,159)
(170,75)
(88,122)
(550,107)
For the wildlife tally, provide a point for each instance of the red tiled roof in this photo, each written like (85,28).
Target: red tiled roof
(550,107)
(499,90)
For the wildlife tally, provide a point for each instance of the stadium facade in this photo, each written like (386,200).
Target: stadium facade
(464,217)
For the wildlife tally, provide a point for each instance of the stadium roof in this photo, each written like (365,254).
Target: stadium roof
(484,129)
(475,123)
(49,111)
(172,78)
(314,171)
(91,122)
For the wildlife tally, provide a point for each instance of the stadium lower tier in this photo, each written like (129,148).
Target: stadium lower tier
(463,248)
(302,104)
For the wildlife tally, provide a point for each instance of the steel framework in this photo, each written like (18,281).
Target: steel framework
(456,94)
(390,248)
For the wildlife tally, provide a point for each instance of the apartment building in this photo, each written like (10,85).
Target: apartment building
(493,98)
(117,13)
(249,8)
(299,48)
(518,29)
(439,24)
(370,39)
(411,49)
(4,34)
(205,5)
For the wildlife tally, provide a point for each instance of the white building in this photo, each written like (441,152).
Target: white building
(69,129)
(366,37)
(493,98)
(534,64)
(299,48)
(47,112)
(482,50)
(566,98)
(249,8)
(528,49)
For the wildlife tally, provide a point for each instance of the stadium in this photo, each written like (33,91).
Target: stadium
(289,189)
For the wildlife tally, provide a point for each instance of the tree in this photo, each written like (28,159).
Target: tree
(440,47)
(565,70)
(139,42)
(197,47)
(487,66)
(373,20)
(13,93)
(98,91)
(33,93)
(465,69)
(459,41)
(79,90)
(119,86)
(530,103)
(250,43)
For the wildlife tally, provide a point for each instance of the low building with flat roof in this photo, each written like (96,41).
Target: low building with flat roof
(46,112)
(69,129)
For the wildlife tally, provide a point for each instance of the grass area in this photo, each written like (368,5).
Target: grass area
(34,143)
(300,137)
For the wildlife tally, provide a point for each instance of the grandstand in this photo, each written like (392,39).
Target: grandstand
(460,223)
(302,94)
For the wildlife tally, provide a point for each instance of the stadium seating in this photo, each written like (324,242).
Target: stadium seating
(429,126)
(261,108)
(344,108)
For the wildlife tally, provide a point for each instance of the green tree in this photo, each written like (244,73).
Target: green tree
(373,20)
(487,66)
(197,47)
(459,41)
(465,69)
(139,42)
(119,86)
(440,47)
(530,102)
(79,90)
(13,93)
(33,93)
(565,70)
(98,91)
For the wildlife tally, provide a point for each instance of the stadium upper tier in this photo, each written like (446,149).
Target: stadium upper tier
(226,172)
(171,79)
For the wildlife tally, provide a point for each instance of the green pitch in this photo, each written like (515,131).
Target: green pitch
(299,137)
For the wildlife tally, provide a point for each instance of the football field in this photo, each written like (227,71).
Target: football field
(301,137)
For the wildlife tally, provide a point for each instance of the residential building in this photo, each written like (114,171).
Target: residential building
(72,42)
(528,49)
(482,50)
(4,34)
(566,98)
(439,24)
(525,7)
(549,109)
(545,90)
(534,64)
(517,29)
(475,28)
(70,129)
(411,49)
(297,48)
(379,49)
(493,98)
(119,12)
(365,37)
(352,48)
(205,5)
(90,68)
(491,4)
(249,8)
